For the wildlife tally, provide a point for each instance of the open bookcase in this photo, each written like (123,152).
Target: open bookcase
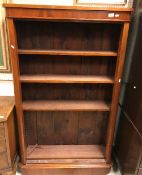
(67,65)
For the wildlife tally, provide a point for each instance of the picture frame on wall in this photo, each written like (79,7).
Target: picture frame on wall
(4,54)
(106,3)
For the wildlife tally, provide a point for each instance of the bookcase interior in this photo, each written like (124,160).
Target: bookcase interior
(52,35)
(67,72)
(67,65)
(65,128)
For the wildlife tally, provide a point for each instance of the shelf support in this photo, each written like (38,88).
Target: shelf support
(17,86)
(116,90)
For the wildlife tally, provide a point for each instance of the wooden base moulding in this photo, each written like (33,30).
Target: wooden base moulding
(66,169)
(65,160)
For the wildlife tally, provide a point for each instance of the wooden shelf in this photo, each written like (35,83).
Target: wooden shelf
(65,79)
(35,6)
(67,52)
(65,152)
(61,105)
(68,162)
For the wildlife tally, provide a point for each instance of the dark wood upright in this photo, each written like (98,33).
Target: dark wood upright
(67,67)
(129,137)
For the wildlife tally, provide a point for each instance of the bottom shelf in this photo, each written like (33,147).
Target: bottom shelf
(40,152)
(65,160)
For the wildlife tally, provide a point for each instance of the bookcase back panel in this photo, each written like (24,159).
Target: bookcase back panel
(65,128)
(66,92)
(67,65)
(67,35)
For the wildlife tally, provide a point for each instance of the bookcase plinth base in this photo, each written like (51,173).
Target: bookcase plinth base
(65,169)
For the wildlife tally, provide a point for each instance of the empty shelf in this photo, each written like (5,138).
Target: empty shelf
(65,79)
(60,105)
(67,52)
(65,152)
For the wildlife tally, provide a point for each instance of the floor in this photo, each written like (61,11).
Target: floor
(114,172)
(111,173)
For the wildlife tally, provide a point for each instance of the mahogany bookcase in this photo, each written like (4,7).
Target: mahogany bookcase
(67,67)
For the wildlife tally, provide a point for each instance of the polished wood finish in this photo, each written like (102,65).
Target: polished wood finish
(67,161)
(116,90)
(65,52)
(64,79)
(67,62)
(65,152)
(17,87)
(65,7)
(73,15)
(8,151)
(99,168)
(65,106)
(59,12)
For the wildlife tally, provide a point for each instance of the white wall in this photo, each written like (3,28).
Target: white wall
(45,2)
(6,85)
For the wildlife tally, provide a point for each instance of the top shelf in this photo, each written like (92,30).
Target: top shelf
(66,52)
(67,13)
(39,6)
